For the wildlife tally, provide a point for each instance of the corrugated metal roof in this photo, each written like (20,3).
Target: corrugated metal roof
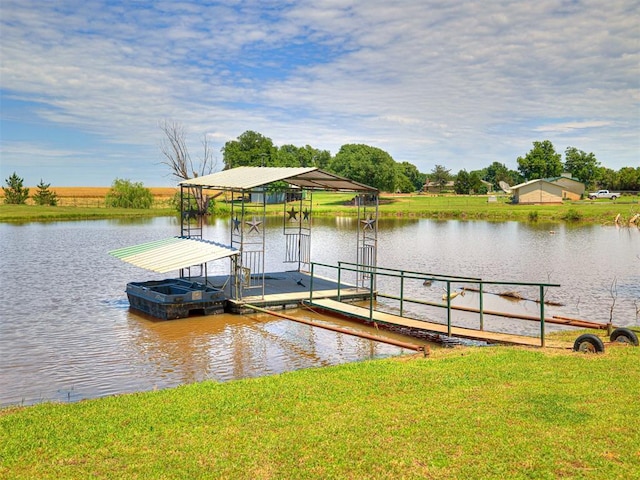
(246,178)
(173,253)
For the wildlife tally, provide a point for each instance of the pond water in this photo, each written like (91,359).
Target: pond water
(66,332)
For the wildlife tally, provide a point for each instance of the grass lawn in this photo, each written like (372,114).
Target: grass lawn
(494,412)
(88,203)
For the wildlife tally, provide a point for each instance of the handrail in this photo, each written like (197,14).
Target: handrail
(374,271)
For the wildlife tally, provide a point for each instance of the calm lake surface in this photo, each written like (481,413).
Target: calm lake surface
(66,332)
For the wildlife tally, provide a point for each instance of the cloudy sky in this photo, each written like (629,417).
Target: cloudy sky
(85,84)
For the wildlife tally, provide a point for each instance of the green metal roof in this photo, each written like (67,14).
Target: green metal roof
(173,253)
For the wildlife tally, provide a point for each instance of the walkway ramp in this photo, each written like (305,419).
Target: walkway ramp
(363,314)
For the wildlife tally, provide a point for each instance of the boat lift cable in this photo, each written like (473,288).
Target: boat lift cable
(409,346)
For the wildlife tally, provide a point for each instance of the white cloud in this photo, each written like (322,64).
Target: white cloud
(431,81)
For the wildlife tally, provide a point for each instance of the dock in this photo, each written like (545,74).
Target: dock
(388,320)
(283,290)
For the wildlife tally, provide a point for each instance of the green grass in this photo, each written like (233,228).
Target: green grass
(422,206)
(498,412)
(29,213)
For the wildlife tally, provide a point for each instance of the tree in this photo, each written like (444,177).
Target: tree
(365,164)
(498,172)
(44,196)
(411,172)
(628,179)
(541,162)
(461,184)
(582,166)
(14,192)
(126,194)
(176,153)
(251,149)
(177,158)
(440,176)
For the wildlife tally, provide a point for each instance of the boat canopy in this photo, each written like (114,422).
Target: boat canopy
(247,178)
(173,253)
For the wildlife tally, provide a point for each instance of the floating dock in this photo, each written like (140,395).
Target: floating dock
(284,290)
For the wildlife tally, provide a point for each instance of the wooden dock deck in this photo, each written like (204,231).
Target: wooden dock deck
(362,314)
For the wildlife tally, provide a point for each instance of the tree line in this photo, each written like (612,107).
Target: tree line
(375,167)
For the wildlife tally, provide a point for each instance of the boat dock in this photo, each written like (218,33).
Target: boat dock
(387,320)
(282,290)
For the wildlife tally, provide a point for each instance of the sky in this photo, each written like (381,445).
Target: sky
(85,85)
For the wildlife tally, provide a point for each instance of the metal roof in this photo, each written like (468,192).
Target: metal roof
(247,178)
(173,253)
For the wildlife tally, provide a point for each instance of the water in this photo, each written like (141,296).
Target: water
(66,332)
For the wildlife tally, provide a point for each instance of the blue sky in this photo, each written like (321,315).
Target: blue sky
(85,84)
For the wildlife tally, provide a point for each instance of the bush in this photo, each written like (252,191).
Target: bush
(14,192)
(44,196)
(572,216)
(125,194)
(533,216)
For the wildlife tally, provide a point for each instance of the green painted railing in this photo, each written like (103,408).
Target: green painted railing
(374,271)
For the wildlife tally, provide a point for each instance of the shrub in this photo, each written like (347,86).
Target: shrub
(14,192)
(44,196)
(572,215)
(533,216)
(126,194)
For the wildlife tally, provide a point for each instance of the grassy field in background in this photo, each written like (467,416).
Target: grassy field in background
(492,412)
(89,202)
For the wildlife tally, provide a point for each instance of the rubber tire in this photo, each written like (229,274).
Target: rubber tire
(614,197)
(624,335)
(588,343)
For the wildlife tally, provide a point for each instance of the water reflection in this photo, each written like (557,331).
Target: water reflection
(66,332)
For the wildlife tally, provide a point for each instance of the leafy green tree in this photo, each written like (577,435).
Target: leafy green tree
(365,164)
(411,172)
(14,192)
(628,179)
(582,166)
(461,183)
(440,175)
(606,178)
(44,196)
(127,194)
(541,162)
(307,156)
(498,172)
(251,149)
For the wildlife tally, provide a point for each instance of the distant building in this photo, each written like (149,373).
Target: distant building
(536,192)
(548,190)
(435,187)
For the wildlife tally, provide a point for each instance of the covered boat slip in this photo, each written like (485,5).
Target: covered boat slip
(247,191)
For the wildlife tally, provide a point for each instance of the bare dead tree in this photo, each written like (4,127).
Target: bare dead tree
(178,159)
(614,296)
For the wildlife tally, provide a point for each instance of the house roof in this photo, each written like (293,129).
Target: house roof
(247,178)
(531,182)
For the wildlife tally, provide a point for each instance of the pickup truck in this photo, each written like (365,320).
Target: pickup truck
(603,194)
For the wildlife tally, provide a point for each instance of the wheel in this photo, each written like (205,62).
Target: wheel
(592,198)
(588,343)
(624,335)
(613,197)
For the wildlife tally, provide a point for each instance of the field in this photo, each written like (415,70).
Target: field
(94,197)
(492,412)
(89,202)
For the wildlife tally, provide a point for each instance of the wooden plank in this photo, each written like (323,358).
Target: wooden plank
(380,317)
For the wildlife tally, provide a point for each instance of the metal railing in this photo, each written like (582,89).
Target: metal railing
(403,275)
